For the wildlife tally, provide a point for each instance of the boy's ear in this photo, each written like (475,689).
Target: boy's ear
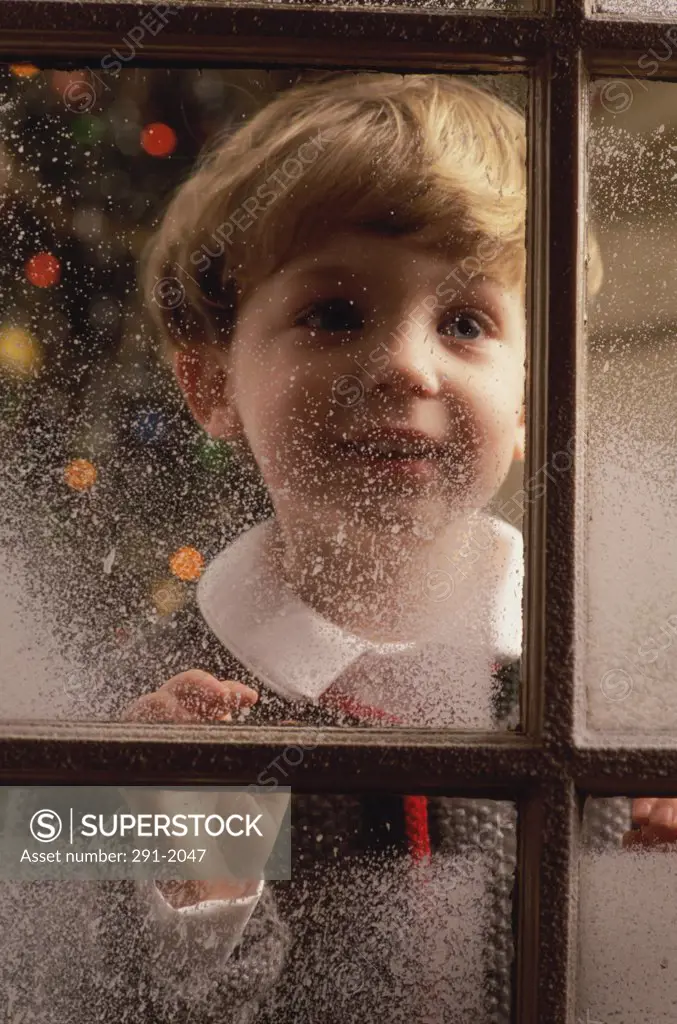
(202,375)
(520,437)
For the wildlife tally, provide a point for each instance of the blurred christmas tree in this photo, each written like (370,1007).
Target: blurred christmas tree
(103,474)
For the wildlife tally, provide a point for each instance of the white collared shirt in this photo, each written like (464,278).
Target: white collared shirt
(442,678)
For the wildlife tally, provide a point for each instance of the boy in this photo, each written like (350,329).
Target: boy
(306,335)
(359,328)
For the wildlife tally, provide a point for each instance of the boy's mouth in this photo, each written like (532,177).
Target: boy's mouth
(395,455)
(393,446)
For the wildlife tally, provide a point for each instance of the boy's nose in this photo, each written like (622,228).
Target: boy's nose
(406,357)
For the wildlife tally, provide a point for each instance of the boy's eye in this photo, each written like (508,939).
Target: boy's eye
(331,315)
(463,327)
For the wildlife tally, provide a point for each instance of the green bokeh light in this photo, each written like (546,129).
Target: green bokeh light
(214,455)
(87,128)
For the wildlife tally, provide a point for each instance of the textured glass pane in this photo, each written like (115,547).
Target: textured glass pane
(285,447)
(644,10)
(395,912)
(164,13)
(629,560)
(627,919)
(462,6)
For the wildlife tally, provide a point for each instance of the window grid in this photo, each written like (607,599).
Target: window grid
(542,770)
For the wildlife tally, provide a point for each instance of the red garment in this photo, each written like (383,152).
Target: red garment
(415,807)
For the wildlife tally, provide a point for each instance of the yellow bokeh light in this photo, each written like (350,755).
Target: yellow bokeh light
(168,596)
(20,352)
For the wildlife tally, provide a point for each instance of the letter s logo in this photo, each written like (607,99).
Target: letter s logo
(45,826)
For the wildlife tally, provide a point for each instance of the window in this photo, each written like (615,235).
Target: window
(566,749)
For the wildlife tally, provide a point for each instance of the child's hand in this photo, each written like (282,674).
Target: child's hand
(194,696)
(655,819)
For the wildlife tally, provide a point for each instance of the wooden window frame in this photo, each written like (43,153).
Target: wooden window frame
(542,768)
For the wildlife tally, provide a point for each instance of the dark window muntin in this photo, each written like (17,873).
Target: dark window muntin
(542,770)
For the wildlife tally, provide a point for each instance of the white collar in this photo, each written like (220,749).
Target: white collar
(299,653)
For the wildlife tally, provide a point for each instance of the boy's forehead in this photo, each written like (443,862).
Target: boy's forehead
(354,250)
(397,262)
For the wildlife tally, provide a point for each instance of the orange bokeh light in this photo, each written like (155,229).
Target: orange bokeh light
(158,139)
(43,270)
(187,563)
(80,474)
(24,70)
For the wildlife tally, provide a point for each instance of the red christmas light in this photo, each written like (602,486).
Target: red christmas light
(158,139)
(43,270)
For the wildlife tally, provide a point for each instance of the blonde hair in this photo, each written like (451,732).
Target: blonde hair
(432,157)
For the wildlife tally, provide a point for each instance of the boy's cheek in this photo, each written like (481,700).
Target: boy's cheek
(379,357)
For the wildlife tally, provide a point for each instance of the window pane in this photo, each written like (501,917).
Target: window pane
(629,561)
(627,917)
(381,920)
(460,6)
(464,6)
(644,10)
(297,461)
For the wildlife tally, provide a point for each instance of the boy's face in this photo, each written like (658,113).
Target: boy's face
(369,380)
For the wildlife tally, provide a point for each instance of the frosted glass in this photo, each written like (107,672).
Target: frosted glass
(627,559)
(646,10)
(328,527)
(359,933)
(628,924)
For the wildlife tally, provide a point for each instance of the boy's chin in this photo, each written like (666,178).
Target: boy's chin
(393,516)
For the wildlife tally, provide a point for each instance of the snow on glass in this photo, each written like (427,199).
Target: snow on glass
(348,939)
(371,556)
(626,939)
(437,5)
(138,533)
(628,566)
(654,10)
